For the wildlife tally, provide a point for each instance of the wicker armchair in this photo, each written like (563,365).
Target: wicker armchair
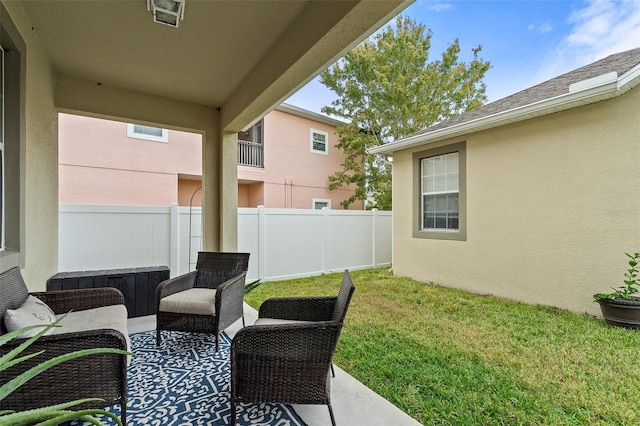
(95,376)
(286,355)
(207,300)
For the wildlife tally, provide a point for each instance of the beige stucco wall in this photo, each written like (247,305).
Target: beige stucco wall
(39,180)
(552,205)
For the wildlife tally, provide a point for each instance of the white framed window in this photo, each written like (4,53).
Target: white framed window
(149,133)
(319,142)
(320,203)
(440,191)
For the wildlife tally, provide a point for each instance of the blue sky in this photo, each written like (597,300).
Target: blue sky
(527,42)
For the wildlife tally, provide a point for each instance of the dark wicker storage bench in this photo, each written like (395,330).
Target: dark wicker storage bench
(138,285)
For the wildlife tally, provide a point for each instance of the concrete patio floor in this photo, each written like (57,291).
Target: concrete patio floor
(353,403)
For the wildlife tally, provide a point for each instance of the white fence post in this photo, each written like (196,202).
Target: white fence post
(261,242)
(325,238)
(374,237)
(175,236)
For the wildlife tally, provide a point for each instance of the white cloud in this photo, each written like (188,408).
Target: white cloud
(605,27)
(599,29)
(543,28)
(440,7)
(437,5)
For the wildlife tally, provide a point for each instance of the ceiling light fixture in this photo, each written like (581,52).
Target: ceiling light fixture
(168,12)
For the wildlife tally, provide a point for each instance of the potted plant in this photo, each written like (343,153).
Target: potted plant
(621,307)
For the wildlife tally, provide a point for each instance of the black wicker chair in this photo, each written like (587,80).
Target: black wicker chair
(286,356)
(207,300)
(97,376)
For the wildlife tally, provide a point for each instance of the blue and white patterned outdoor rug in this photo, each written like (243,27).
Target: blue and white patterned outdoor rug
(185,382)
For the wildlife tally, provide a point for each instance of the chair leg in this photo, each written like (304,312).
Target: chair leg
(217,342)
(333,373)
(233,413)
(243,324)
(158,337)
(333,419)
(123,413)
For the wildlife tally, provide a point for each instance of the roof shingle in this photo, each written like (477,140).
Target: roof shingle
(619,63)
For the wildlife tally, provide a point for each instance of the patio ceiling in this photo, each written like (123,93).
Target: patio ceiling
(242,56)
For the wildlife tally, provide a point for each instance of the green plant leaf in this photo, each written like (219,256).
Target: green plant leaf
(84,415)
(49,415)
(251,286)
(631,282)
(18,381)
(56,414)
(48,409)
(11,354)
(6,359)
(15,361)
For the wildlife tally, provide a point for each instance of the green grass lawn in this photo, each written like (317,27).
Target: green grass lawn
(449,357)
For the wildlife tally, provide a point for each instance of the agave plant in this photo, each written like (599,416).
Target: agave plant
(53,414)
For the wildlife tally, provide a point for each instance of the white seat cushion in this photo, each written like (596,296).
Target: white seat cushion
(110,317)
(276,321)
(197,301)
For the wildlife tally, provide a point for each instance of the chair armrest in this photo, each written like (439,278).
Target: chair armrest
(100,375)
(175,285)
(63,301)
(230,300)
(69,342)
(313,342)
(60,344)
(231,288)
(315,308)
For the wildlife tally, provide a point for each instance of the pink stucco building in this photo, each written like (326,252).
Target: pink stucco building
(284,161)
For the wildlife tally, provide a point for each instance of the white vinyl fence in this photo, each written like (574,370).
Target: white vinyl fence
(284,243)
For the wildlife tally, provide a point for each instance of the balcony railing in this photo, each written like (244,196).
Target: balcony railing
(250,154)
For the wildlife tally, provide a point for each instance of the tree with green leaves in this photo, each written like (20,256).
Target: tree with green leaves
(387,88)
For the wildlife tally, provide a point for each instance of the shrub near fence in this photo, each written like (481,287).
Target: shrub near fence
(284,243)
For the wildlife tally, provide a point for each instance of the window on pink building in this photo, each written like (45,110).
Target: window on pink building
(319,141)
(149,133)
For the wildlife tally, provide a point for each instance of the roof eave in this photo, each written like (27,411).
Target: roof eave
(311,115)
(563,102)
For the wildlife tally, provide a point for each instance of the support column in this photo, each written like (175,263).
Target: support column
(229,192)
(220,191)
(211,186)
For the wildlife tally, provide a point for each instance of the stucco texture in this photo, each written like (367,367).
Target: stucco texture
(553,203)
(100,164)
(293,174)
(38,250)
